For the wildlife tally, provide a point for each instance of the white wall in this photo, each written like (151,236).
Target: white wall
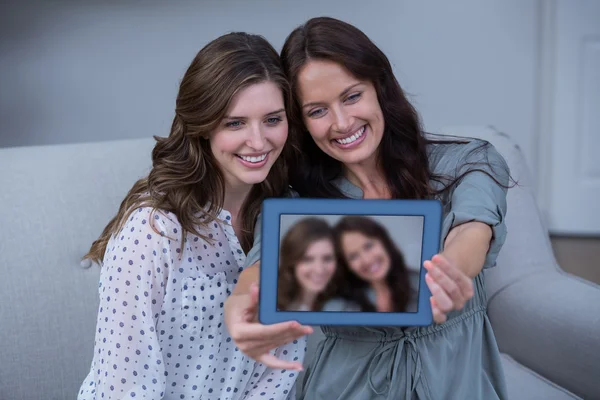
(86,71)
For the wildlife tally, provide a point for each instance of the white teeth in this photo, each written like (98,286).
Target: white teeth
(253,159)
(353,137)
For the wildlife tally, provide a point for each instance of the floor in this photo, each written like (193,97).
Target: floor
(579,256)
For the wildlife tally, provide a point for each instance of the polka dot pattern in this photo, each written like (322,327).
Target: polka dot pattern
(160,331)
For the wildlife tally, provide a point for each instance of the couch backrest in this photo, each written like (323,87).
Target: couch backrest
(55,200)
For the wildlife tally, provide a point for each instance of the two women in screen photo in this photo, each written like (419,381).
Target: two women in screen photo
(353,265)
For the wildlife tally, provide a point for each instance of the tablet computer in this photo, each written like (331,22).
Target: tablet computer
(347,261)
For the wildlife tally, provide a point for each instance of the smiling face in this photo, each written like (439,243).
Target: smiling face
(317,266)
(341,112)
(366,257)
(252,135)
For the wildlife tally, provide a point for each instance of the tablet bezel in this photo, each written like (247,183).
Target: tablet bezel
(274,208)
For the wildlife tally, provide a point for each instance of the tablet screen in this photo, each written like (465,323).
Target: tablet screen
(355,263)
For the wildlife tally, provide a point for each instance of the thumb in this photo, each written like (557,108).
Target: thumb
(252,309)
(254,291)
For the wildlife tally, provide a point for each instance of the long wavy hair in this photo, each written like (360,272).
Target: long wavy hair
(352,287)
(293,248)
(185,178)
(403,155)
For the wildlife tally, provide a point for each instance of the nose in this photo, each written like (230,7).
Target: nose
(256,138)
(343,121)
(322,266)
(364,260)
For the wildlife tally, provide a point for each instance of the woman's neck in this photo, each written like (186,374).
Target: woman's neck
(383,296)
(233,201)
(307,298)
(380,287)
(369,178)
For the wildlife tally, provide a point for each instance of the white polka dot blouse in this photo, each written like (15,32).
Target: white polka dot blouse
(160,331)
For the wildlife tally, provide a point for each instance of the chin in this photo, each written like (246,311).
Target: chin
(253,178)
(376,278)
(355,157)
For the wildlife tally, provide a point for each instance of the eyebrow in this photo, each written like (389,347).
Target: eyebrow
(344,92)
(267,114)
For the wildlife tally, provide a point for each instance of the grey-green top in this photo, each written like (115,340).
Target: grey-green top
(458,359)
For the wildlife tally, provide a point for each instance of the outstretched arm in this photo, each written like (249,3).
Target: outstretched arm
(467,246)
(475,234)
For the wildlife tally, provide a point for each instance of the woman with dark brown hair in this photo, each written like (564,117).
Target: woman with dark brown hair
(372,272)
(175,249)
(307,262)
(361,138)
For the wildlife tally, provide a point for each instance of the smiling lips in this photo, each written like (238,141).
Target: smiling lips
(253,161)
(319,280)
(352,138)
(373,268)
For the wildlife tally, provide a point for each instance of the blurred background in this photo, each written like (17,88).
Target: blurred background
(74,71)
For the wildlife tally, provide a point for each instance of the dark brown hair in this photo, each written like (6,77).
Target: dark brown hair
(403,155)
(293,248)
(351,286)
(185,178)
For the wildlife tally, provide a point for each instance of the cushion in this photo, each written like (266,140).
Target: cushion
(524,384)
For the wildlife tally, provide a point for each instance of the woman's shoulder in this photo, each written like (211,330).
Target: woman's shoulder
(450,155)
(147,232)
(148,220)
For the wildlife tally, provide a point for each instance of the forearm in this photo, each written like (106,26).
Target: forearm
(466,246)
(247,277)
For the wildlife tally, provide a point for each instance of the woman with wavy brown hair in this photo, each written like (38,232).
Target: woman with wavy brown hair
(171,255)
(307,262)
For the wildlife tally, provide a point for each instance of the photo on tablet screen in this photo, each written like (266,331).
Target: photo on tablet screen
(356,263)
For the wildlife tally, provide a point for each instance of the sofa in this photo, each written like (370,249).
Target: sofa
(56,199)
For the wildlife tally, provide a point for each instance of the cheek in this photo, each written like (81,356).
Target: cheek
(374,108)
(331,267)
(381,252)
(224,143)
(380,120)
(278,135)
(301,272)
